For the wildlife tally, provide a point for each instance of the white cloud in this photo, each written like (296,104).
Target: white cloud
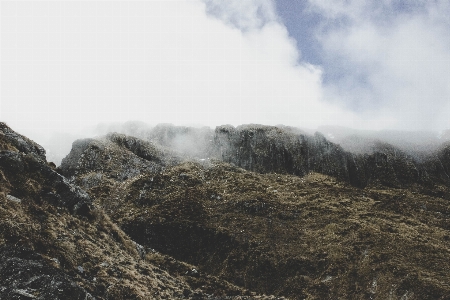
(393,63)
(246,15)
(70,65)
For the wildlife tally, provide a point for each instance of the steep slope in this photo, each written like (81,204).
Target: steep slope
(55,243)
(313,237)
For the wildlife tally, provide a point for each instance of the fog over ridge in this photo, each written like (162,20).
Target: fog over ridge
(196,142)
(67,66)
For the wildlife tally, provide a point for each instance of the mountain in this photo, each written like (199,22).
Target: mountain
(360,158)
(178,212)
(56,243)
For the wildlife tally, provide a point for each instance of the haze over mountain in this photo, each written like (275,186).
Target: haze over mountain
(69,65)
(352,140)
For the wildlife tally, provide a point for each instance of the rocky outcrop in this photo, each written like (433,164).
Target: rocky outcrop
(262,149)
(258,148)
(327,158)
(267,149)
(26,274)
(435,166)
(24,162)
(10,140)
(442,162)
(116,156)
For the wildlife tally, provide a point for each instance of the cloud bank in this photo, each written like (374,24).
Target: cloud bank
(389,59)
(70,65)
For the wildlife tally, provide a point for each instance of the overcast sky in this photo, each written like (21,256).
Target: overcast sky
(371,64)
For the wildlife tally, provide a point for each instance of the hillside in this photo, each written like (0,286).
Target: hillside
(253,210)
(56,243)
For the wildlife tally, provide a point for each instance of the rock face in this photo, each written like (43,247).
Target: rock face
(25,272)
(438,164)
(257,148)
(10,140)
(114,158)
(25,162)
(266,149)
(262,149)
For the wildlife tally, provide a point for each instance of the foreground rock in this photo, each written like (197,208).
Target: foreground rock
(27,275)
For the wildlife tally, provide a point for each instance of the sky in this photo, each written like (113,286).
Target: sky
(375,64)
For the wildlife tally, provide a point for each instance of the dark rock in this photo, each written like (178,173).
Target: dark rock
(24,274)
(19,167)
(262,149)
(116,156)
(70,164)
(258,148)
(326,157)
(21,160)
(141,148)
(21,143)
(268,149)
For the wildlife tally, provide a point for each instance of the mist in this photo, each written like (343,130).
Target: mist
(381,70)
(198,142)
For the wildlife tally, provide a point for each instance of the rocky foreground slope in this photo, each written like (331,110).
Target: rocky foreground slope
(244,212)
(275,211)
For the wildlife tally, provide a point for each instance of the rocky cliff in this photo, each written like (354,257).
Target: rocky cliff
(287,150)
(266,149)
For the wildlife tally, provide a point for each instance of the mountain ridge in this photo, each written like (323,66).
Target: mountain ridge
(286,150)
(246,215)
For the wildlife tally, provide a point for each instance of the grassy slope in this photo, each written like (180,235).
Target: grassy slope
(311,237)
